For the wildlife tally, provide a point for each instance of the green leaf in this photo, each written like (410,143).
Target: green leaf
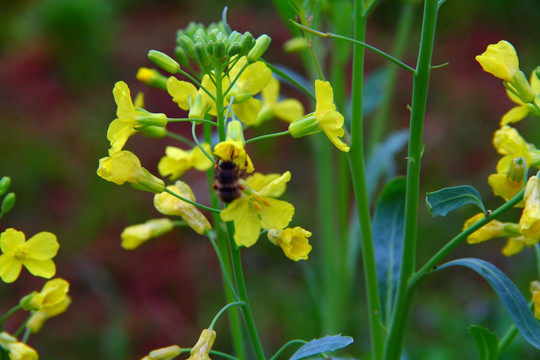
(445,200)
(486,341)
(319,346)
(511,297)
(388,224)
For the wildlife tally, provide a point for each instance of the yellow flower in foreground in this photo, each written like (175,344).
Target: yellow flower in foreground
(493,229)
(325,118)
(128,117)
(124,166)
(529,223)
(177,161)
(231,150)
(287,109)
(258,209)
(135,235)
(51,301)
(293,241)
(17,350)
(165,353)
(500,60)
(198,102)
(168,204)
(522,110)
(535,290)
(202,348)
(35,254)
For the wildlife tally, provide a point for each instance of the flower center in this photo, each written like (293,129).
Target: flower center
(21,254)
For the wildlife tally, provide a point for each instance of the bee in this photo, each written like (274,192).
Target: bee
(226,176)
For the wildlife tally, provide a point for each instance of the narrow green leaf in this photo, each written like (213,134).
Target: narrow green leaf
(448,199)
(319,346)
(486,341)
(511,297)
(388,224)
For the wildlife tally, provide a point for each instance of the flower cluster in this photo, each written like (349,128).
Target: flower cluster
(518,156)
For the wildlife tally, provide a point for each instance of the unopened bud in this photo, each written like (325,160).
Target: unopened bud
(164,61)
(305,126)
(151,77)
(181,55)
(295,44)
(202,56)
(210,47)
(235,131)
(246,43)
(165,353)
(234,36)
(187,44)
(200,36)
(260,47)
(150,119)
(219,50)
(234,49)
(516,170)
(7,203)
(197,108)
(5,182)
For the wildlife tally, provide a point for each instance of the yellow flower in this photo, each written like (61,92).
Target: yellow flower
(535,290)
(168,204)
(202,348)
(124,166)
(493,229)
(232,150)
(165,353)
(258,209)
(500,60)
(17,350)
(51,301)
(287,109)
(522,110)
(293,241)
(135,235)
(529,223)
(325,118)
(514,245)
(177,161)
(128,117)
(198,102)
(35,254)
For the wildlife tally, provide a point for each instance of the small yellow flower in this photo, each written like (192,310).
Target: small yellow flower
(500,60)
(202,348)
(232,150)
(493,229)
(293,241)
(258,209)
(124,166)
(35,254)
(287,109)
(535,290)
(514,245)
(165,353)
(522,110)
(128,117)
(17,350)
(198,102)
(529,223)
(325,118)
(177,161)
(167,204)
(51,301)
(135,235)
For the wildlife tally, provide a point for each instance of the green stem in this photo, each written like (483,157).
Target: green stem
(198,83)
(224,268)
(219,105)
(242,292)
(235,79)
(510,335)
(191,202)
(268,136)
(205,121)
(194,135)
(292,342)
(357,163)
(8,314)
(394,344)
(180,138)
(225,308)
(357,42)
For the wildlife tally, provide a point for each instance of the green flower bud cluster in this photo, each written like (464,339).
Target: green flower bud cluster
(213,47)
(7,199)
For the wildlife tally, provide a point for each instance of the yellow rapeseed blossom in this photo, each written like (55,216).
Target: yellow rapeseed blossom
(177,161)
(124,166)
(51,301)
(16,349)
(202,348)
(519,112)
(325,118)
(493,229)
(514,245)
(197,101)
(135,235)
(500,60)
(35,254)
(287,109)
(258,209)
(168,204)
(529,223)
(232,150)
(128,117)
(165,353)
(293,241)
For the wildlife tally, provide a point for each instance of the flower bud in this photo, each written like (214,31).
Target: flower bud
(187,44)
(151,77)
(202,56)
(219,50)
(210,47)
(261,44)
(246,43)
(235,131)
(181,55)
(200,36)
(295,44)
(5,182)
(234,49)
(154,131)
(516,170)
(165,353)
(164,61)
(150,119)
(234,36)
(7,203)
(197,109)
(26,302)
(305,126)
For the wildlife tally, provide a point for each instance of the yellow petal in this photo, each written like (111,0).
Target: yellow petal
(246,219)
(293,241)
(42,268)
(118,133)
(500,60)
(536,300)
(181,92)
(324,95)
(10,268)
(120,167)
(508,141)
(135,235)
(289,110)
(503,186)
(200,161)
(513,246)
(276,214)
(253,79)
(21,351)
(529,223)
(10,240)
(515,114)
(248,110)
(175,162)
(42,246)
(257,181)
(332,125)
(274,187)
(122,97)
(270,93)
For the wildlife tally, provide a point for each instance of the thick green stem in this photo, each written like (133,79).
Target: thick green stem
(357,163)
(394,344)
